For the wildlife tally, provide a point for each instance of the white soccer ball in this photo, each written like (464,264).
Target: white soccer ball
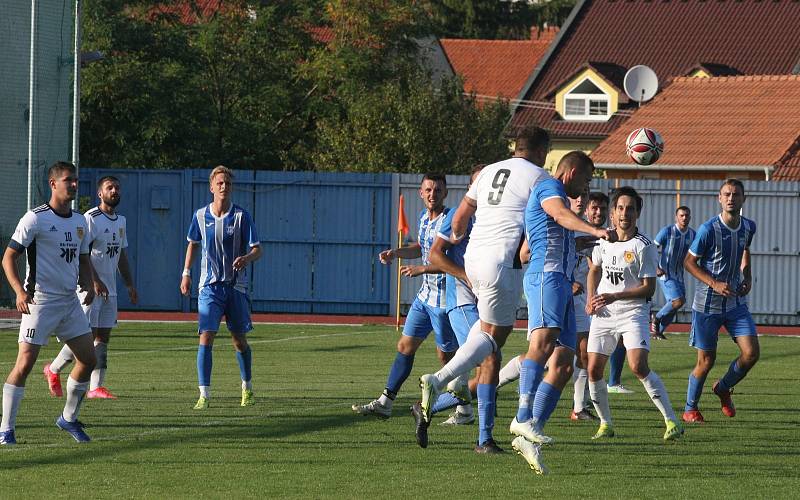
(644,146)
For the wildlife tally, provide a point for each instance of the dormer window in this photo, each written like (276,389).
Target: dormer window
(586,101)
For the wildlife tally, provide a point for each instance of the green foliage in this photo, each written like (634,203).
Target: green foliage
(411,126)
(249,87)
(301,440)
(493,19)
(176,95)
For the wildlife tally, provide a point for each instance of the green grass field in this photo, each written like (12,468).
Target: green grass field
(301,439)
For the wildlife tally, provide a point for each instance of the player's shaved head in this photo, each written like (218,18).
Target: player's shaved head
(59,168)
(530,139)
(574,159)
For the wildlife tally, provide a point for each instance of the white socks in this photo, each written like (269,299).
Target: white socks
(510,372)
(99,373)
(247,385)
(478,345)
(658,395)
(75,392)
(63,358)
(579,396)
(12,396)
(599,393)
(205,391)
(385,400)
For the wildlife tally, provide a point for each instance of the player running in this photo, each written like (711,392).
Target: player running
(108,240)
(228,242)
(54,238)
(720,260)
(428,310)
(620,283)
(674,241)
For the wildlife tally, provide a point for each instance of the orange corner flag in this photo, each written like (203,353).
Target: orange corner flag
(402,224)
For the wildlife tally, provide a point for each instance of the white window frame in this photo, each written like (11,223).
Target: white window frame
(587,98)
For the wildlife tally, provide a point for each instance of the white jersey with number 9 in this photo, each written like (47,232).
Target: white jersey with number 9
(501,191)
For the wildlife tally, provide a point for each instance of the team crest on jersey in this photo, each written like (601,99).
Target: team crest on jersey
(230,230)
(80,233)
(629,257)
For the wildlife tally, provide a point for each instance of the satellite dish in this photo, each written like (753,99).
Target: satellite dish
(640,83)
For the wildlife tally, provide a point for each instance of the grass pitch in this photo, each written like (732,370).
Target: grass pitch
(301,439)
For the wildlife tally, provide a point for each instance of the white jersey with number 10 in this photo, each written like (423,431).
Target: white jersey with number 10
(501,191)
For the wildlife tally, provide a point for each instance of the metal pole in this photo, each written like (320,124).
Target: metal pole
(31,113)
(399,280)
(76,96)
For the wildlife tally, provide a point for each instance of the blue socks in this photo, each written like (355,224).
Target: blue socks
(445,401)
(245,360)
(732,377)
(693,392)
(544,403)
(665,316)
(401,369)
(615,364)
(486,409)
(204,362)
(530,375)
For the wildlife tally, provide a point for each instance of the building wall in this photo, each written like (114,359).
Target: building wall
(561,147)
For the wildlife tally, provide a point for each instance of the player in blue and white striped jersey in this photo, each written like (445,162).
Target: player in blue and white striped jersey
(674,241)
(228,242)
(428,310)
(720,260)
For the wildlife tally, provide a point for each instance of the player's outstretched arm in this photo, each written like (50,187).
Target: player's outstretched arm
(10,268)
(566,218)
(413,251)
(690,263)
(127,276)
(186,278)
(463,214)
(441,262)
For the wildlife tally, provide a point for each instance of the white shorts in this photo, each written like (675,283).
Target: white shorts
(606,329)
(101,313)
(498,290)
(582,320)
(54,314)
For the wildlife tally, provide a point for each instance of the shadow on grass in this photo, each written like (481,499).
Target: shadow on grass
(200,434)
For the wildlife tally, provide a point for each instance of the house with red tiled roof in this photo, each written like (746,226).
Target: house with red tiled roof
(576,89)
(497,68)
(714,128)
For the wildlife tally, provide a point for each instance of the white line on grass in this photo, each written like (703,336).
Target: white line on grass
(119,352)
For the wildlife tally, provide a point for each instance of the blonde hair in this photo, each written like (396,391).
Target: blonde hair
(220,169)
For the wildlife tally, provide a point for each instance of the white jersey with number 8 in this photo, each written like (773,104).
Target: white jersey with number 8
(501,191)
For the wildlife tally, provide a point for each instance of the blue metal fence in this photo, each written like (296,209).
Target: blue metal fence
(320,231)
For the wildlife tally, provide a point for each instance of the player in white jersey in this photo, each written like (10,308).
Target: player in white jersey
(228,241)
(54,238)
(497,199)
(620,283)
(581,402)
(108,240)
(428,312)
(720,260)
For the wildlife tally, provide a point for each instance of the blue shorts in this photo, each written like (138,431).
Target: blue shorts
(423,318)
(672,289)
(550,305)
(705,327)
(218,299)
(461,320)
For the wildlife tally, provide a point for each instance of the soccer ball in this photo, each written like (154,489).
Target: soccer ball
(644,146)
